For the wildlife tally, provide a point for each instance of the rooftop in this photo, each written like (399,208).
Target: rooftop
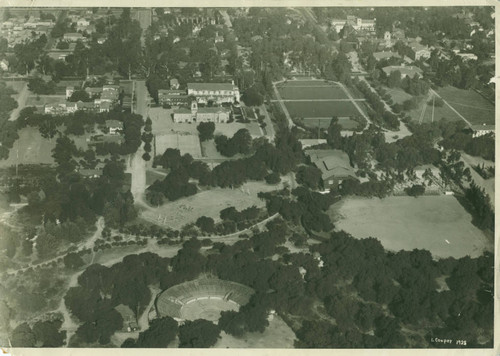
(331,163)
(210,86)
(405,70)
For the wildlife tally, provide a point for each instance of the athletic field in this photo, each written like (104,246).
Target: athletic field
(435,223)
(184,142)
(317,100)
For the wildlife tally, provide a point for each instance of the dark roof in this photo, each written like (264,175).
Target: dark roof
(332,163)
(211,86)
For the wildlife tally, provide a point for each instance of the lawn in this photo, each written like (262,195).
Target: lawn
(440,113)
(310,91)
(326,109)
(207,203)
(30,148)
(470,104)
(436,223)
(398,95)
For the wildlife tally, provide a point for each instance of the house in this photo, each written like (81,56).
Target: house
(418,51)
(90,173)
(174,84)
(69,92)
(82,22)
(114,126)
(172,97)
(129,319)
(101,39)
(308,142)
(73,36)
(204,114)
(385,55)
(216,92)
(481,130)
(334,166)
(467,56)
(93,92)
(405,71)
(4,65)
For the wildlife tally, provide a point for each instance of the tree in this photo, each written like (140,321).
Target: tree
(206,130)
(206,224)
(394,79)
(252,97)
(23,336)
(73,261)
(160,334)
(199,333)
(273,178)
(309,176)
(47,333)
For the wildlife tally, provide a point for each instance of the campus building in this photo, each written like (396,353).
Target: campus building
(218,93)
(172,97)
(334,166)
(203,114)
(406,71)
(481,130)
(356,23)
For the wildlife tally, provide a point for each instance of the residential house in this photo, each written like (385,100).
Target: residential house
(174,84)
(309,142)
(73,36)
(90,173)
(418,51)
(114,126)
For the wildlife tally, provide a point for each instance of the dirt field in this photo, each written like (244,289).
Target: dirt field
(311,90)
(45,99)
(277,335)
(33,149)
(185,143)
(207,203)
(436,223)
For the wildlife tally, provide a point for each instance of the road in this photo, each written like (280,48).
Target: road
(21,102)
(144,17)
(226,17)
(271,134)
(136,164)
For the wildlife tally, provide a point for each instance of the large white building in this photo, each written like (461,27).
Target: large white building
(356,23)
(204,114)
(216,92)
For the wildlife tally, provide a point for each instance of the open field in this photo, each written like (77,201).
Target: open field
(210,150)
(277,335)
(207,203)
(436,223)
(33,149)
(185,143)
(470,104)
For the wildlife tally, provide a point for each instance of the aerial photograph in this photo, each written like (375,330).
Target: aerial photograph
(247,177)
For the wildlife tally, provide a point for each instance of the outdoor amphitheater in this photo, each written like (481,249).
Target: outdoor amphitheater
(202,298)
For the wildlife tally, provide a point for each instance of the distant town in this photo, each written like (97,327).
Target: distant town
(247,177)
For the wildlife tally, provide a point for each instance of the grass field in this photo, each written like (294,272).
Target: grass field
(321,109)
(311,91)
(207,203)
(33,149)
(277,335)
(436,223)
(398,95)
(470,104)
(185,143)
